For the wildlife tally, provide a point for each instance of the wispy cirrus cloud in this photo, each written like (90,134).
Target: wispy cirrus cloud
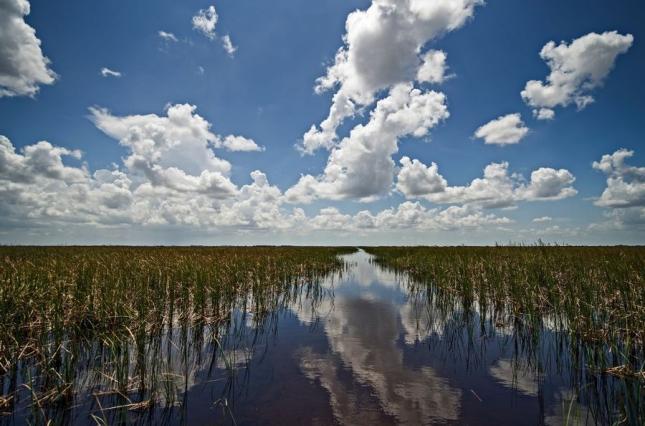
(107,72)
(167,36)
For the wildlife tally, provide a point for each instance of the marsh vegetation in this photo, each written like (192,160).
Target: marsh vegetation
(579,311)
(108,335)
(79,322)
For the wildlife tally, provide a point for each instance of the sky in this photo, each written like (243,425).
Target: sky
(434,122)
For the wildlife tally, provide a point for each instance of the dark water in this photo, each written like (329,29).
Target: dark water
(366,347)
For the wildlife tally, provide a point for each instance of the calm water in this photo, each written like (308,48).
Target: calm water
(364,347)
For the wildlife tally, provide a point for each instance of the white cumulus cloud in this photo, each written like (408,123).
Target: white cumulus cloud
(182,139)
(576,69)
(205,20)
(625,183)
(382,48)
(497,188)
(505,130)
(38,188)
(412,215)
(544,114)
(433,68)
(240,143)
(361,166)
(23,67)
(416,179)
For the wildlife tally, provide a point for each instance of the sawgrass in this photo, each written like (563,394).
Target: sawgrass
(129,325)
(583,307)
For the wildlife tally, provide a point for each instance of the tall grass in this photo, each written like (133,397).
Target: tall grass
(591,298)
(118,332)
(598,292)
(129,324)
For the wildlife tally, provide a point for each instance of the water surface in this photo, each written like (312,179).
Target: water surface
(367,350)
(362,347)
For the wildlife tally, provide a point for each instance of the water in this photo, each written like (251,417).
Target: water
(366,353)
(365,347)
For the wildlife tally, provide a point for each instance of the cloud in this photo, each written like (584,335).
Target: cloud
(174,153)
(182,140)
(106,72)
(624,194)
(362,336)
(505,130)
(416,179)
(542,219)
(170,176)
(23,67)
(548,184)
(36,185)
(258,205)
(227,44)
(514,377)
(329,218)
(167,36)
(576,69)
(38,188)
(625,184)
(631,218)
(240,143)
(412,215)
(497,188)
(38,160)
(433,67)
(544,114)
(361,166)
(372,59)
(205,22)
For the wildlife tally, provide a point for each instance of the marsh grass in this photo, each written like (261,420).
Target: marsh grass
(129,326)
(579,310)
(122,334)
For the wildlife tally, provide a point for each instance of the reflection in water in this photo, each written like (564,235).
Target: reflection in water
(361,347)
(508,375)
(374,326)
(362,325)
(364,333)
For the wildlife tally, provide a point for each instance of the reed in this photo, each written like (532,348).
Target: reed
(582,308)
(597,293)
(129,324)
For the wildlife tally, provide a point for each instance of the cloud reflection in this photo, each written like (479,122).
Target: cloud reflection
(362,333)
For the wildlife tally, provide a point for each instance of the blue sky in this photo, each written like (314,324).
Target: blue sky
(264,92)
